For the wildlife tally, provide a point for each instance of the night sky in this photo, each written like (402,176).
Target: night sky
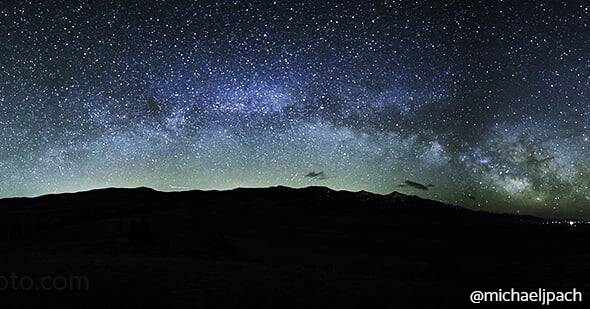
(479,103)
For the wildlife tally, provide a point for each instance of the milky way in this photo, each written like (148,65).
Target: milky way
(478,103)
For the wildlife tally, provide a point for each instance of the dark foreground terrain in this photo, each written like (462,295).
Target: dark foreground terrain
(276,248)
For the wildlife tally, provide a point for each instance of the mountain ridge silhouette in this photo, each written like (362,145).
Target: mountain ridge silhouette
(364,197)
(279,246)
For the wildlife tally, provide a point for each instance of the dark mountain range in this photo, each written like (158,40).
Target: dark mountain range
(278,247)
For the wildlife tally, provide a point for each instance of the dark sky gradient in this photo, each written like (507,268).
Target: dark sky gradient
(486,101)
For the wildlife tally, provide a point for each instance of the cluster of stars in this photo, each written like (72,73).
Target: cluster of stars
(487,101)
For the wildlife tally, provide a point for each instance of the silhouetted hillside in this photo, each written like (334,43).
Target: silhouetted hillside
(116,201)
(279,247)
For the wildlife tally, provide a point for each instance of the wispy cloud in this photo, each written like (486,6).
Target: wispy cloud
(416,185)
(318,175)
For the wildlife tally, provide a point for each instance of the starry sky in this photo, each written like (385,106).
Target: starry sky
(484,104)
